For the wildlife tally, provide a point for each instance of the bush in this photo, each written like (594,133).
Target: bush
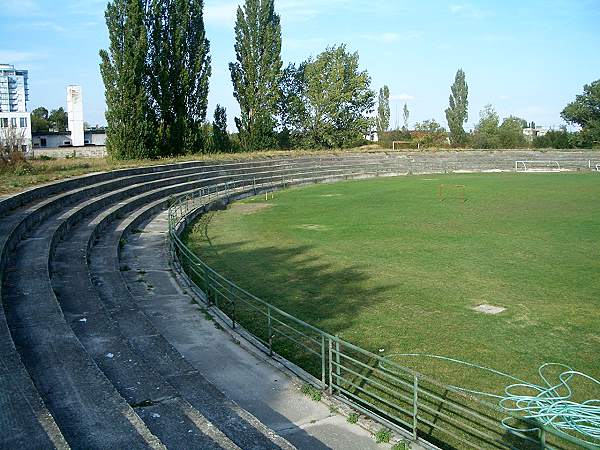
(16,163)
(386,138)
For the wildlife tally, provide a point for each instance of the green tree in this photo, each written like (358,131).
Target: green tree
(554,139)
(58,119)
(179,69)
(39,120)
(585,112)
(383,110)
(510,133)
(220,137)
(457,112)
(256,73)
(486,130)
(405,116)
(338,98)
(123,69)
(291,106)
(429,133)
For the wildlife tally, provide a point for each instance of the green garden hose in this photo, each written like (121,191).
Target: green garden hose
(551,403)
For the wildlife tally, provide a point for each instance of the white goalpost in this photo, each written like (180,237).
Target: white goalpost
(537,166)
(399,143)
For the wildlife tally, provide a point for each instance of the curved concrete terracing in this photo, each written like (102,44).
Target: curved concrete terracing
(81,365)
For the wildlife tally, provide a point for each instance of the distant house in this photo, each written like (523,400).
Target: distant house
(56,139)
(372,136)
(532,133)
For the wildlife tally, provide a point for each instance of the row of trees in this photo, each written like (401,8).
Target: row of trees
(156,74)
(489,132)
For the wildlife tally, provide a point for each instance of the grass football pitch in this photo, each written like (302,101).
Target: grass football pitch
(392,266)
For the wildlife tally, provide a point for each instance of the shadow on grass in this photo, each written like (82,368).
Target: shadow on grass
(298,282)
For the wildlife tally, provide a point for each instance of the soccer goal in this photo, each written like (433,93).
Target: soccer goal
(452,192)
(537,166)
(397,145)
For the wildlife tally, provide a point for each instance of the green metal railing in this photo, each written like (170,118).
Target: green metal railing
(394,395)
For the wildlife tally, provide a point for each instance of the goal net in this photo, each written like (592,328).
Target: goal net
(537,166)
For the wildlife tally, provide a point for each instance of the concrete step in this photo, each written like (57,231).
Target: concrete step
(239,426)
(104,334)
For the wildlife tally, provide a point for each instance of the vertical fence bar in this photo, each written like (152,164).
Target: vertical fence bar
(232,313)
(269,330)
(338,370)
(323,360)
(330,367)
(542,438)
(415,406)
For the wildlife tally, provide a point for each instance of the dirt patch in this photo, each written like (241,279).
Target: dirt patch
(249,208)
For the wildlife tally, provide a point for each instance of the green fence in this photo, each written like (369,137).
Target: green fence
(394,395)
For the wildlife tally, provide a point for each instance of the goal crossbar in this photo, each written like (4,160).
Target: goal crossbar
(546,165)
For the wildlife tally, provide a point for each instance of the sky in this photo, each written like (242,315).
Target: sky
(526,58)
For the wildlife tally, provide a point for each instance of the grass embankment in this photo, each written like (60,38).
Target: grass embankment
(387,265)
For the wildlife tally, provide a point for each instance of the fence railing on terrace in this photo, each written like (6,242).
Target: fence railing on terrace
(398,397)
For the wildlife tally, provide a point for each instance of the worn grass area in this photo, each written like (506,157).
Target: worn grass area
(388,266)
(21,176)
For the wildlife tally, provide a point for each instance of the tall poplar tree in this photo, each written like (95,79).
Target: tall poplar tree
(405,116)
(256,73)
(220,137)
(456,113)
(179,70)
(123,69)
(383,110)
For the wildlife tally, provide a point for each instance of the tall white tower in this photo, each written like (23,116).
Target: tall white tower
(75,112)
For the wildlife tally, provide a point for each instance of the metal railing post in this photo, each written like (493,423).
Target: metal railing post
(337,358)
(269,330)
(323,360)
(415,406)
(542,438)
(330,367)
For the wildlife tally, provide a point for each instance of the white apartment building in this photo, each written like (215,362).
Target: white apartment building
(14,94)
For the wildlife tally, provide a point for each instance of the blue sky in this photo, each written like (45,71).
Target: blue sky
(527,58)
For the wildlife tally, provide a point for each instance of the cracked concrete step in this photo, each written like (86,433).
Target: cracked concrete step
(84,404)
(101,334)
(239,426)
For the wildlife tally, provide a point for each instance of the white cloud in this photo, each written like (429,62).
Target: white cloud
(402,97)
(20,8)
(391,38)
(219,13)
(469,11)
(311,44)
(13,57)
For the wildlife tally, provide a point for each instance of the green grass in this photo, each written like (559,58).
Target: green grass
(386,265)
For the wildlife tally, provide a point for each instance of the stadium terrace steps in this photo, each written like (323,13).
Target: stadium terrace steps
(81,365)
